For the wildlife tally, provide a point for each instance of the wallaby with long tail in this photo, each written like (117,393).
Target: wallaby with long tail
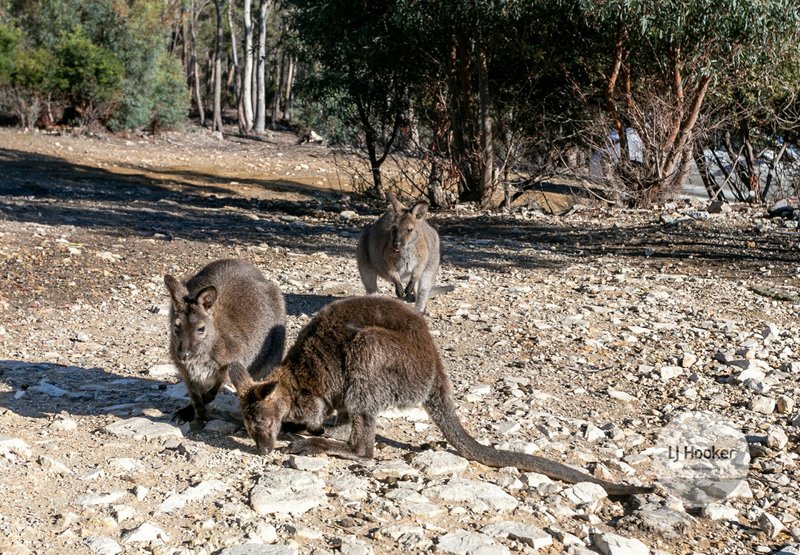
(227,312)
(403,249)
(358,357)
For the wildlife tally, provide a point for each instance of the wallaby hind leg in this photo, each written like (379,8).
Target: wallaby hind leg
(424,286)
(361,444)
(369,278)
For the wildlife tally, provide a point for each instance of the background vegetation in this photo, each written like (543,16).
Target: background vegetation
(478,97)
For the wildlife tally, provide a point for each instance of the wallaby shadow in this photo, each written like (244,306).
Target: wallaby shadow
(297,304)
(40,390)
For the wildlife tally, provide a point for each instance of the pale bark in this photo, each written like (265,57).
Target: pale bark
(264,8)
(237,76)
(287,89)
(217,120)
(198,95)
(486,181)
(247,78)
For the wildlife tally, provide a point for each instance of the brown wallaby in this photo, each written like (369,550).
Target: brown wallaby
(359,356)
(227,312)
(401,246)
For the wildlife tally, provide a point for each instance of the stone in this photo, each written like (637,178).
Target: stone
(761,404)
(524,533)
(11,446)
(311,464)
(96,499)
(613,544)
(471,492)
(347,214)
(592,433)
(146,532)
(770,524)
(584,493)
(622,396)
(161,371)
(219,426)
(776,437)
(54,466)
(664,521)
(394,469)
(259,549)
(463,542)
(436,463)
(688,360)
(784,404)
(140,427)
(669,372)
(285,490)
(715,511)
(102,545)
(177,501)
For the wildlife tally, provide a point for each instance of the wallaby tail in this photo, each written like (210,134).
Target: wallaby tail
(442,410)
(441,289)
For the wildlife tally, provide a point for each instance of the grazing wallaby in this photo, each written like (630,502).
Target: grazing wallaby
(401,246)
(359,356)
(227,312)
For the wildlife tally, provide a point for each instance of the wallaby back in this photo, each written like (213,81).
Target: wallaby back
(402,248)
(228,312)
(360,356)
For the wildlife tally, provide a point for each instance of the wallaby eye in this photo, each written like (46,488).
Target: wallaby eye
(201,330)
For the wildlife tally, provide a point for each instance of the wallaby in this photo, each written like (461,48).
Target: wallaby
(401,246)
(359,356)
(227,312)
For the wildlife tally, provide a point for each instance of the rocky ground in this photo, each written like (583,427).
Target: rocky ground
(579,337)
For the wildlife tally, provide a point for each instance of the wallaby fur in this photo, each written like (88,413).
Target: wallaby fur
(227,312)
(401,248)
(358,357)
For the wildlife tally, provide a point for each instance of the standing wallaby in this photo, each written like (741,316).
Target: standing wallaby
(228,312)
(359,356)
(401,246)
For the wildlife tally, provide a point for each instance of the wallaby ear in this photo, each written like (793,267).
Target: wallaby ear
(207,297)
(240,378)
(177,290)
(420,209)
(394,204)
(262,390)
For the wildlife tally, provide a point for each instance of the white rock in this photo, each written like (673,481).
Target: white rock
(260,549)
(769,524)
(94,499)
(593,433)
(585,492)
(471,492)
(776,437)
(715,511)
(54,466)
(10,446)
(140,427)
(64,425)
(146,532)
(622,396)
(436,463)
(394,469)
(525,533)
(612,544)
(469,543)
(102,545)
(669,372)
(220,426)
(764,405)
(285,490)
(194,493)
(750,374)
(688,360)
(311,464)
(163,371)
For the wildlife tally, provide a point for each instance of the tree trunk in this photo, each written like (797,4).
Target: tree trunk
(264,8)
(713,189)
(198,95)
(287,89)
(486,181)
(217,121)
(237,76)
(276,96)
(247,78)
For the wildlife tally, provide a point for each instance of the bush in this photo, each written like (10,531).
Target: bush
(24,76)
(89,76)
(170,94)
